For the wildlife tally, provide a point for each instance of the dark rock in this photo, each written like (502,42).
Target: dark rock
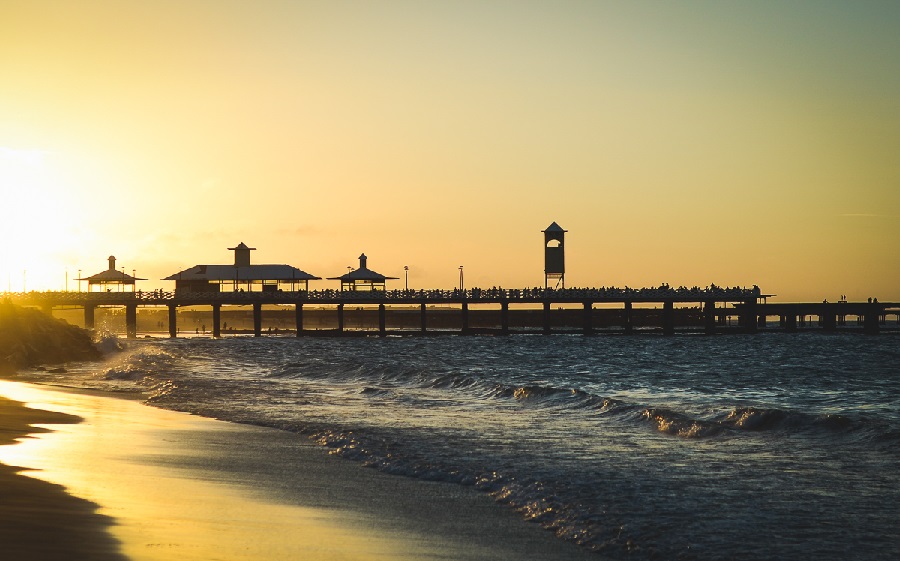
(29,337)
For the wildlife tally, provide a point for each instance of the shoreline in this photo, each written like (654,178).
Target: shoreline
(175,485)
(32,509)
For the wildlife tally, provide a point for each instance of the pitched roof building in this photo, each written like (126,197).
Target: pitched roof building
(111,278)
(242,275)
(362,278)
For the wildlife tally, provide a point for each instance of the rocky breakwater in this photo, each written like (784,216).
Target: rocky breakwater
(29,337)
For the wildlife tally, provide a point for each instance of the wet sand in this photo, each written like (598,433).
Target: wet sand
(178,486)
(39,520)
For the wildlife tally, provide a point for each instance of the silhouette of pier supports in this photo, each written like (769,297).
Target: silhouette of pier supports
(131,321)
(871,319)
(709,317)
(828,317)
(790,321)
(465,317)
(587,326)
(257,319)
(89,317)
(422,317)
(381,320)
(546,319)
(217,320)
(340,314)
(627,319)
(298,319)
(748,317)
(173,322)
(668,319)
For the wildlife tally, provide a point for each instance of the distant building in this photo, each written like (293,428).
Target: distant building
(362,279)
(111,278)
(241,276)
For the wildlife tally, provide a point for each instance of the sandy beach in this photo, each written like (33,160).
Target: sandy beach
(136,482)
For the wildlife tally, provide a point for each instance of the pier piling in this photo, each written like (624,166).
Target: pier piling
(257,319)
(709,317)
(173,325)
(668,319)
(298,319)
(131,320)
(217,320)
(88,316)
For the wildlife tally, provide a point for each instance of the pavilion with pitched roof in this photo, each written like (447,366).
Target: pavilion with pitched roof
(111,278)
(363,278)
(241,276)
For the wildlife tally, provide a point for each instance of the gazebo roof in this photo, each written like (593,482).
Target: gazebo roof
(111,275)
(363,273)
(284,273)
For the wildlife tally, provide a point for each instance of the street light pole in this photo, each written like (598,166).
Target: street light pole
(462,285)
(406,274)
(79,280)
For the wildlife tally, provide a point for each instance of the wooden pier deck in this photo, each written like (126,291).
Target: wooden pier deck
(669,310)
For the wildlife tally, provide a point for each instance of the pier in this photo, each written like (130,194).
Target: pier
(490,311)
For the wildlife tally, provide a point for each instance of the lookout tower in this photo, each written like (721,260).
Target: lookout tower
(554,256)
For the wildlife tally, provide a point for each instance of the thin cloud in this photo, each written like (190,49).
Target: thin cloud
(863,215)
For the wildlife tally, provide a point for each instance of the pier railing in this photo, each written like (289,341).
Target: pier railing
(432,296)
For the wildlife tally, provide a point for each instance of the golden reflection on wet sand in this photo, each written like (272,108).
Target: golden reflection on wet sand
(112,458)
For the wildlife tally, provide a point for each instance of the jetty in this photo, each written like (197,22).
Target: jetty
(364,297)
(547,310)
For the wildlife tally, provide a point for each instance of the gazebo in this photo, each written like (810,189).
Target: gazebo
(241,276)
(111,277)
(362,279)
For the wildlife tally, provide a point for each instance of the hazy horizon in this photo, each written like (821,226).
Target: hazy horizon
(682,143)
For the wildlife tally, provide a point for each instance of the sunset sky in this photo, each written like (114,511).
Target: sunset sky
(689,142)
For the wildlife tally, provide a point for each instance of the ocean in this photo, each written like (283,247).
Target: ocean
(768,446)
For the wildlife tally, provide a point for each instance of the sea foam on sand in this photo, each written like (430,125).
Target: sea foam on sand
(179,486)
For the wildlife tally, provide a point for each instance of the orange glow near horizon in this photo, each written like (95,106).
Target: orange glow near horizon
(735,145)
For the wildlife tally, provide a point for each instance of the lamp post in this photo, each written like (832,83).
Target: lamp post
(406,276)
(461,284)
(134,281)
(79,280)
